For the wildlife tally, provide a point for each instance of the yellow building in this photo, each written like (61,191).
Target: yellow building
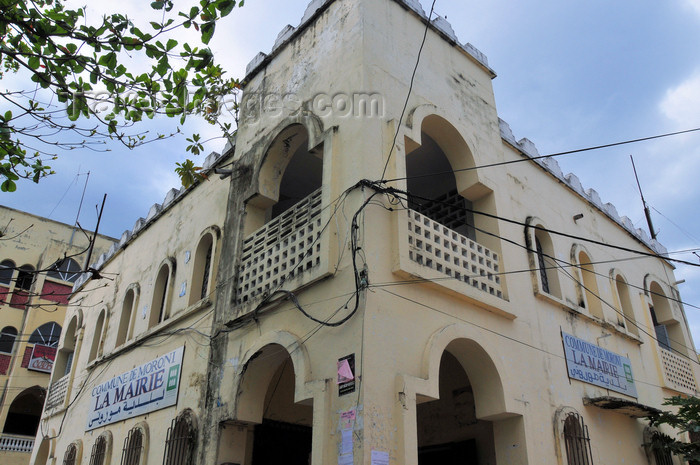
(40,259)
(362,285)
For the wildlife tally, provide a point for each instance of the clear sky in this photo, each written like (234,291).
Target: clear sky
(570,75)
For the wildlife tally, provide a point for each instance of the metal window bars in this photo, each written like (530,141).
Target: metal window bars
(179,443)
(133,445)
(69,456)
(99,449)
(578,443)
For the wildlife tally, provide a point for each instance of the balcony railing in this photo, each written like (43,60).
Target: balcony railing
(9,443)
(438,247)
(57,393)
(678,372)
(282,250)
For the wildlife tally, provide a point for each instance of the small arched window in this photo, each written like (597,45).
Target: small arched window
(96,346)
(202,273)
(589,283)
(66,270)
(133,446)
(99,451)
(546,262)
(578,443)
(124,330)
(7,339)
(161,294)
(626,317)
(25,278)
(7,269)
(69,458)
(180,441)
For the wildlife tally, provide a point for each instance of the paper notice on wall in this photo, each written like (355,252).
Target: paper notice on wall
(346,459)
(380,458)
(346,442)
(345,373)
(347,419)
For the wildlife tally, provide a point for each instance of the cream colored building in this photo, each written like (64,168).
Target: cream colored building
(39,261)
(359,287)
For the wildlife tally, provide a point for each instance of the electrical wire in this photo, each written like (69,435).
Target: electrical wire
(529,158)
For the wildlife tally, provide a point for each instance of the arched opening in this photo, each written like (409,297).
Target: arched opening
(181,440)
(135,444)
(7,339)
(47,334)
(125,318)
(590,286)
(71,456)
(449,432)
(7,270)
(627,319)
(25,278)
(64,359)
(42,454)
(96,346)
(66,270)
(203,269)
(161,294)
(546,264)
(100,450)
(669,333)
(446,196)
(25,412)
(281,428)
(291,172)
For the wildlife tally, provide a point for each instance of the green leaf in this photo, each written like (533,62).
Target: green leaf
(158,5)
(208,31)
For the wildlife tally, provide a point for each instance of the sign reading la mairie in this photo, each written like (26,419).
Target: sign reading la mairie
(148,387)
(594,365)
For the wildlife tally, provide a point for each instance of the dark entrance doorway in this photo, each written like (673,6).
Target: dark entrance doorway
(454,453)
(277,442)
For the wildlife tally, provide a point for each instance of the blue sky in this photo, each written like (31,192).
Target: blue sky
(570,75)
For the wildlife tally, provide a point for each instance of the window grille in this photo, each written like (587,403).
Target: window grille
(69,457)
(65,270)
(205,278)
(99,449)
(578,443)
(180,442)
(542,266)
(133,445)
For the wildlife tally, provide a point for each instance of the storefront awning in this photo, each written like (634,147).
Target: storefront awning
(623,406)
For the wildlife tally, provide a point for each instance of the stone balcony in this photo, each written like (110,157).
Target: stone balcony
(288,252)
(13,443)
(57,393)
(677,372)
(440,256)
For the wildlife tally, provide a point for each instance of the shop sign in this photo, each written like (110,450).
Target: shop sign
(42,358)
(148,387)
(594,365)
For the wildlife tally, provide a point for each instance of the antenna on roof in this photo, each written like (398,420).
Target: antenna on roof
(647,213)
(92,241)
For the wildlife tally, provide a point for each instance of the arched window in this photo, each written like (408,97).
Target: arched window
(180,441)
(96,346)
(589,283)
(669,331)
(98,456)
(64,359)
(543,258)
(69,458)
(7,269)
(133,447)
(47,334)
(67,270)
(161,294)
(7,339)
(626,319)
(203,268)
(578,443)
(25,278)
(125,319)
